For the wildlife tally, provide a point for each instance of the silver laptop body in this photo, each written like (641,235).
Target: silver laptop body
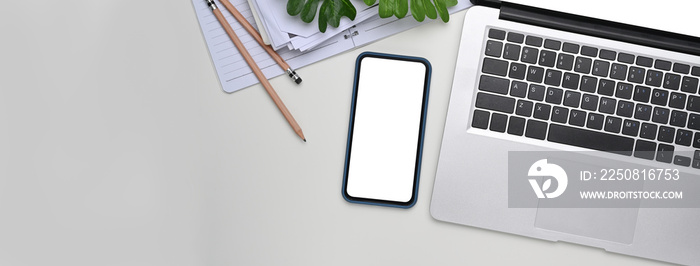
(471,186)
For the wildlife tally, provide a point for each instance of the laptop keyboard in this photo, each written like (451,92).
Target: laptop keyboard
(589,97)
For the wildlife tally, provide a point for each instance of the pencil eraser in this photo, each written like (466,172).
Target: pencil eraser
(298,80)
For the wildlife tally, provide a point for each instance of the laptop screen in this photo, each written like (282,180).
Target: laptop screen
(675,16)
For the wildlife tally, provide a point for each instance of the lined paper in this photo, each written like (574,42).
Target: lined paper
(233,71)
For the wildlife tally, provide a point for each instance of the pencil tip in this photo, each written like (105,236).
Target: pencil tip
(304,140)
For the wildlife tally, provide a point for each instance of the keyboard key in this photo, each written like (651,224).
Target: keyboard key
(577,118)
(572,99)
(517,71)
(511,52)
(681,160)
(497,34)
(606,87)
(636,75)
(696,143)
(645,149)
(583,65)
(625,108)
(595,121)
(493,84)
(630,128)
(536,92)
(664,153)
(642,112)
(659,97)
(660,115)
(515,37)
(678,118)
(693,104)
(644,61)
(565,61)
(662,64)
(560,114)
(642,94)
(613,124)
(523,108)
(547,58)
(694,121)
(589,102)
(536,129)
(570,81)
(696,71)
(689,85)
(554,95)
(535,74)
(600,68)
(654,78)
(618,71)
(529,55)
(625,58)
(624,90)
(607,54)
(495,67)
(516,126)
(648,131)
(590,139)
(552,44)
(518,89)
(480,119)
(684,137)
(666,134)
(607,105)
(570,48)
(495,103)
(588,84)
(552,77)
(542,111)
(589,51)
(533,40)
(677,100)
(494,48)
(498,122)
(681,68)
(672,81)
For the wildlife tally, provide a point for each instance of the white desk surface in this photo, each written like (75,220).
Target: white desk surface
(118,147)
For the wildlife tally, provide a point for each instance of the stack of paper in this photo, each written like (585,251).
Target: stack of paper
(288,31)
(234,74)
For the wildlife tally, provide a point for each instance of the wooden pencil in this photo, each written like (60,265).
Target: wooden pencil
(256,35)
(256,70)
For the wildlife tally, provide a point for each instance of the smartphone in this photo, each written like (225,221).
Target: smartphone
(385,133)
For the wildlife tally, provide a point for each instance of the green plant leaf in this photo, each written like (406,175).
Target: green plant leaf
(417,10)
(294,7)
(386,8)
(401,8)
(429,9)
(450,3)
(331,11)
(309,11)
(442,10)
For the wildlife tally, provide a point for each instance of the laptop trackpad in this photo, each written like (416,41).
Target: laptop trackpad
(611,224)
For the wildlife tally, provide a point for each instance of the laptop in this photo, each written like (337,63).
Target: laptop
(529,78)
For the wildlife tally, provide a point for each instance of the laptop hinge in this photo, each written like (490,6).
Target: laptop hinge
(597,27)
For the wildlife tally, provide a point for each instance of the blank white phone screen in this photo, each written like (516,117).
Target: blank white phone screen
(386,129)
